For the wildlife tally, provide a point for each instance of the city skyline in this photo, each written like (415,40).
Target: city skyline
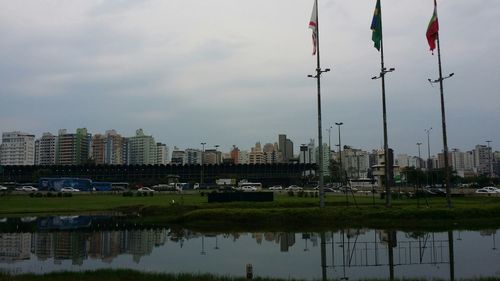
(238,75)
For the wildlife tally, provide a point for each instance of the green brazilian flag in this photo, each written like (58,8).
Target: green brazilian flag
(377,26)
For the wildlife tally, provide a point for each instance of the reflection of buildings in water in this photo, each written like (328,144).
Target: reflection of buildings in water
(287,240)
(43,245)
(106,245)
(487,232)
(69,246)
(258,237)
(142,242)
(14,247)
(269,236)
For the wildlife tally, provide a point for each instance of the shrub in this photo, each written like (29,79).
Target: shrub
(151,193)
(128,194)
(300,194)
(38,195)
(290,193)
(67,194)
(31,195)
(138,194)
(202,193)
(59,194)
(50,194)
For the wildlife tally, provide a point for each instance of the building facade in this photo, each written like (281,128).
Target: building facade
(45,150)
(141,149)
(73,149)
(17,148)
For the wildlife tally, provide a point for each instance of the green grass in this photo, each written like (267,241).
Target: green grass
(130,275)
(284,213)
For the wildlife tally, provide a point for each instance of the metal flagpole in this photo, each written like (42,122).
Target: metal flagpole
(383,72)
(319,71)
(443,120)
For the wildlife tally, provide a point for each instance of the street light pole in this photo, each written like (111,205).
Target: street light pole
(202,154)
(341,168)
(429,163)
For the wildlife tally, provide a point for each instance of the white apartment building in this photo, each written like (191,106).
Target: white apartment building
(142,149)
(243,157)
(45,150)
(161,154)
(17,148)
(256,155)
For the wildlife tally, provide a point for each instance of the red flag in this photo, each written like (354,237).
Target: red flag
(433,29)
(313,24)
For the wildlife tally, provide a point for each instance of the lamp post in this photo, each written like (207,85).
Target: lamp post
(202,154)
(381,76)
(418,173)
(341,172)
(303,149)
(429,163)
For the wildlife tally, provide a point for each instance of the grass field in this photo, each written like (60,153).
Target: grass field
(284,212)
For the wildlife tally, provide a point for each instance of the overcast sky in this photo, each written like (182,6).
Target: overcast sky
(234,72)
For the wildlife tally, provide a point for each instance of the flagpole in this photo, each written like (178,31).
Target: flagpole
(443,119)
(383,72)
(388,202)
(319,71)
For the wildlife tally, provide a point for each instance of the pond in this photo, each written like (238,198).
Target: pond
(77,243)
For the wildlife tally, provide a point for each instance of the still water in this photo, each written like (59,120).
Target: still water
(40,245)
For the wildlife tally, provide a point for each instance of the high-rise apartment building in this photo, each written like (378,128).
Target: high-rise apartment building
(73,149)
(17,148)
(178,157)
(285,148)
(193,156)
(235,155)
(161,154)
(45,150)
(256,155)
(98,148)
(271,153)
(482,154)
(142,149)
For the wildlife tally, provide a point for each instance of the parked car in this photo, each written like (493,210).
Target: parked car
(294,188)
(348,189)
(27,188)
(248,188)
(3,188)
(488,189)
(69,189)
(276,187)
(145,189)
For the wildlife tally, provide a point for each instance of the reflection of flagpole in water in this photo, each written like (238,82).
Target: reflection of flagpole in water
(216,243)
(203,245)
(391,254)
(494,242)
(459,237)
(323,256)
(452,255)
(343,256)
